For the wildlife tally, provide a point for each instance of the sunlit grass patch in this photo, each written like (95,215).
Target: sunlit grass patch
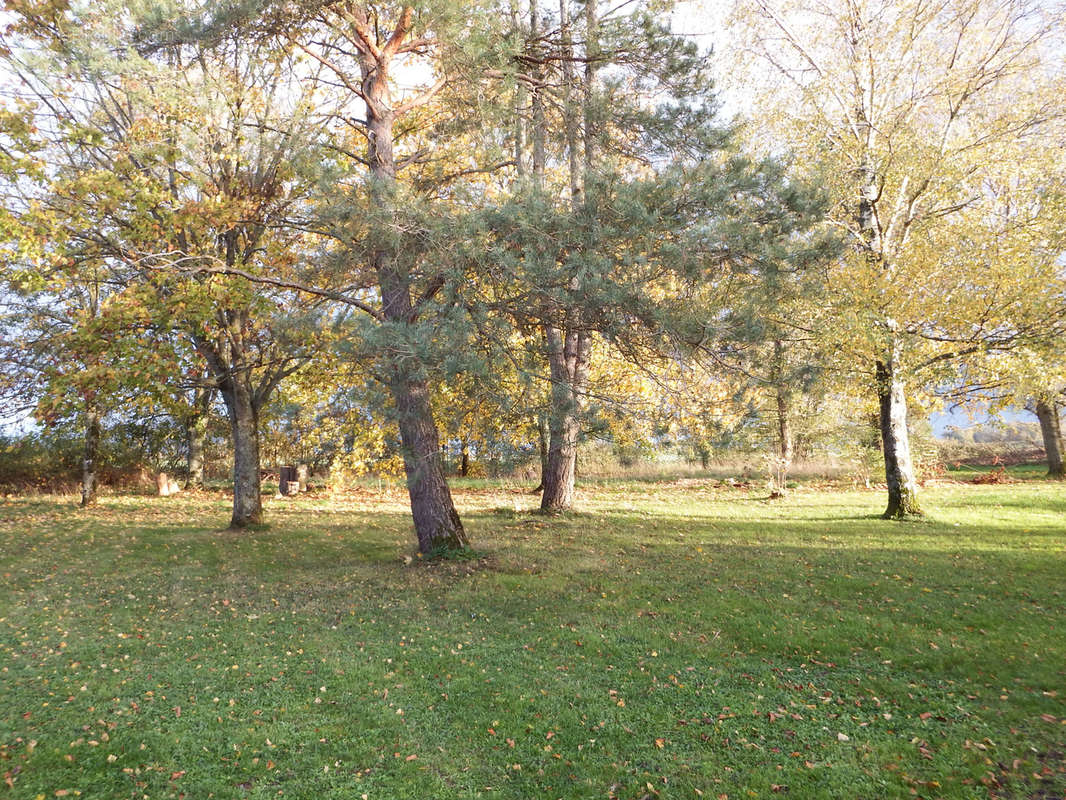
(664,640)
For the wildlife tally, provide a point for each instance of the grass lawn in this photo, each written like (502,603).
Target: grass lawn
(667,641)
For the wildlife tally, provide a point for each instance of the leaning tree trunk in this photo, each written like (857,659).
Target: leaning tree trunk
(89,478)
(568,359)
(196,432)
(437,524)
(1051,430)
(899,471)
(244,425)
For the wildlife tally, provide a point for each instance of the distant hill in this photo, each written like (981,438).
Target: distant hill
(976,426)
(1019,433)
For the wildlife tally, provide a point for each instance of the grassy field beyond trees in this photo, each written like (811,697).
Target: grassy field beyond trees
(673,640)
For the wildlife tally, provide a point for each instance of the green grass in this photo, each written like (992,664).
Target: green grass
(665,641)
(1017,472)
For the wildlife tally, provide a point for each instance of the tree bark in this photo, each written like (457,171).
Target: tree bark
(196,434)
(464,459)
(244,424)
(899,471)
(89,478)
(568,360)
(437,524)
(539,124)
(785,445)
(569,345)
(1051,431)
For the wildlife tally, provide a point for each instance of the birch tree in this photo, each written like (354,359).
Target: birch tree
(909,104)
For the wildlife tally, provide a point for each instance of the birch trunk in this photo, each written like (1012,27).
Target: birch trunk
(899,470)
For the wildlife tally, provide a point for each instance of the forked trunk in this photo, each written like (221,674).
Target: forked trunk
(899,471)
(1051,431)
(244,424)
(89,479)
(569,345)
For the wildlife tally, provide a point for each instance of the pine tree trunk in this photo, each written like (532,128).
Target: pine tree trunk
(1051,431)
(196,434)
(568,360)
(539,124)
(569,346)
(785,446)
(783,396)
(437,524)
(244,425)
(543,437)
(899,471)
(89,479)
